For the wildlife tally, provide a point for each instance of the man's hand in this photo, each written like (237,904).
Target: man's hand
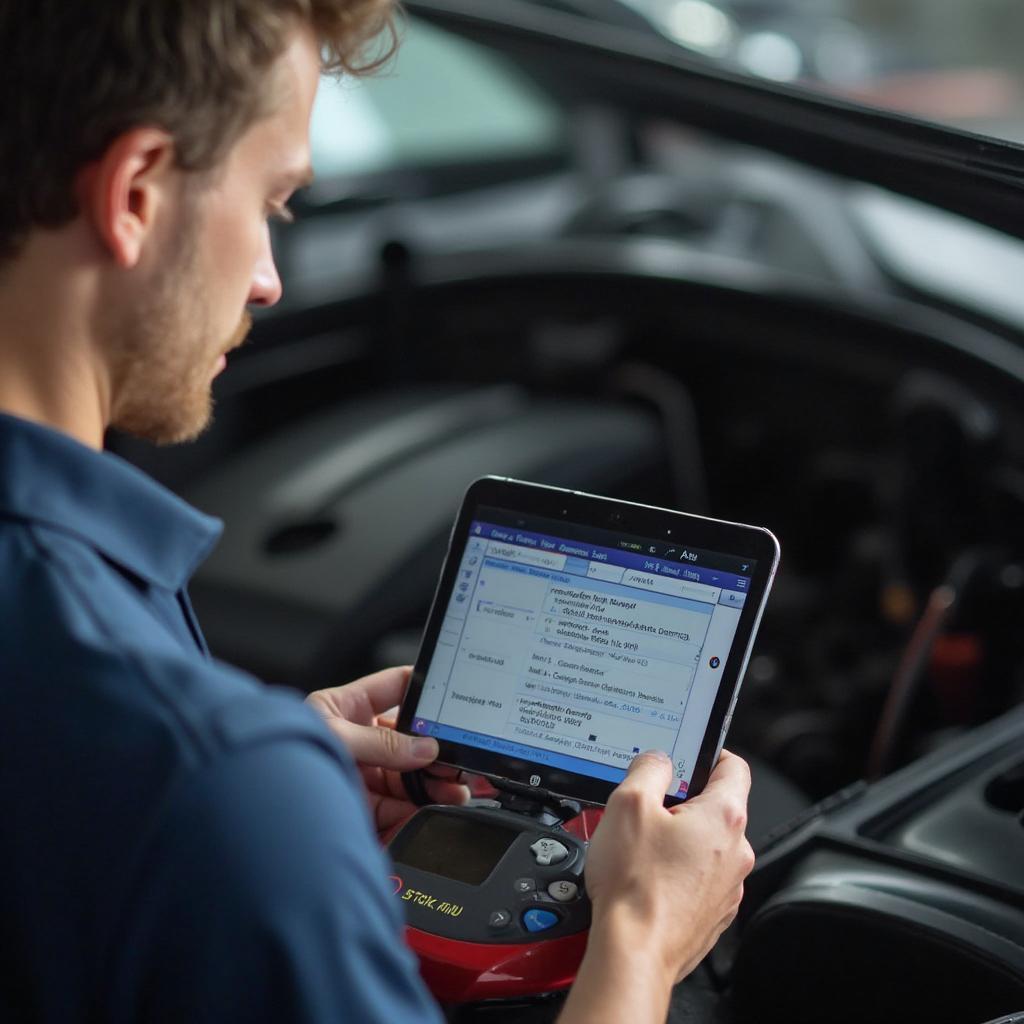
(679,871)
(362,716)
(664,883)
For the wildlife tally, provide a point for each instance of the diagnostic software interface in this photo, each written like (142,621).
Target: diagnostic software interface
(576,647)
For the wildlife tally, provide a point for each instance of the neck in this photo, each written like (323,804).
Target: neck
(50,371)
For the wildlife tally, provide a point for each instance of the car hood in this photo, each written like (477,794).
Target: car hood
(583,60)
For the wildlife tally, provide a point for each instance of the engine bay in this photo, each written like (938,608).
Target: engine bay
(881,442)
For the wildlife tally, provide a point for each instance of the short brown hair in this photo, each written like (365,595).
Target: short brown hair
(74,74)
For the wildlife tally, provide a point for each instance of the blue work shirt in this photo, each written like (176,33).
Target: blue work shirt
(178,842)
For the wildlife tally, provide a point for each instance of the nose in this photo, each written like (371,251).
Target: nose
(265,289)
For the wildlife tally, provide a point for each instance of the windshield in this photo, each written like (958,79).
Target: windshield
(489,111)
(958,62)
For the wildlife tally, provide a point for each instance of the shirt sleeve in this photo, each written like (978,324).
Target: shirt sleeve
(264,898)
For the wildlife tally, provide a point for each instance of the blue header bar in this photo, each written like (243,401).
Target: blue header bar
(610,556)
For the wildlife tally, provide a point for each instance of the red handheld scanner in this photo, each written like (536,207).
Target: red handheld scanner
(460,971)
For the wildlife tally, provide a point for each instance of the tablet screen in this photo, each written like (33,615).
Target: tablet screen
(578,647)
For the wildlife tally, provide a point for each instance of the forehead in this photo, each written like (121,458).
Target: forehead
(279,141)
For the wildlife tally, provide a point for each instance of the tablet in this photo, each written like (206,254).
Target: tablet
(569,632)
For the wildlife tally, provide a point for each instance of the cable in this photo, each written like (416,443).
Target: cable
(943,602)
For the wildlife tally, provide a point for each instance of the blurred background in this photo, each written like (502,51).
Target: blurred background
(510,263)
(699,255)
(958,63)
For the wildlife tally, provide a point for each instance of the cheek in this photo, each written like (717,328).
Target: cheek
(235,247)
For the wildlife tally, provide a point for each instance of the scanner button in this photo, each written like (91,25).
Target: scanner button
(539,920)
(563,891)
(548,851)
(524,885)
(499,918)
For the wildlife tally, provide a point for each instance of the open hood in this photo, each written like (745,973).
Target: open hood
(584,60)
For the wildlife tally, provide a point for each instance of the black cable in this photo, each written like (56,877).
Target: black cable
(682,439)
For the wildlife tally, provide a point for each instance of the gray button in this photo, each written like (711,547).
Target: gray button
(524,885)
(548,851)
(563,891)
(499,918)
(732,598)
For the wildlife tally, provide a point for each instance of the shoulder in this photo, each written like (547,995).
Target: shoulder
(78,638)
(239,876)
(141,711)
(56,583)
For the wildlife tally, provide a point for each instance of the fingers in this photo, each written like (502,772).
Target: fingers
(732,775)
(444,792)
(384,748)
(389,811)
(725,795)
(364,698)
(384,689)
(649,776)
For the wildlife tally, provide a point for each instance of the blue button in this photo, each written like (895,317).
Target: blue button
(539,920)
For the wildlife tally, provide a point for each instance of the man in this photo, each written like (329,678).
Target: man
(180,843)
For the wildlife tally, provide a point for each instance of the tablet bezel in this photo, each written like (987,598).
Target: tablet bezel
(646,521)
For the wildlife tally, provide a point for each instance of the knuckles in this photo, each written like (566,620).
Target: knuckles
(628,801)
(734,814)
(748,859)
(743,767)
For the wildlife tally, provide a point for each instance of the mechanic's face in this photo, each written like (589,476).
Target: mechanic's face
(169,345)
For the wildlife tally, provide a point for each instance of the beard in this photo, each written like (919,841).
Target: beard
(164,350)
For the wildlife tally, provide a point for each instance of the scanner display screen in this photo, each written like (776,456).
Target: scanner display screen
(454,847)
(577,648)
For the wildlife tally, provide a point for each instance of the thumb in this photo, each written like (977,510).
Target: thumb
(379,747)
(650,773)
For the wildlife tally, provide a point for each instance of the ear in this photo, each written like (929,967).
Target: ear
(123,192)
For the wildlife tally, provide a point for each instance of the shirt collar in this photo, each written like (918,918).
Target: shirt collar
(48,477)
